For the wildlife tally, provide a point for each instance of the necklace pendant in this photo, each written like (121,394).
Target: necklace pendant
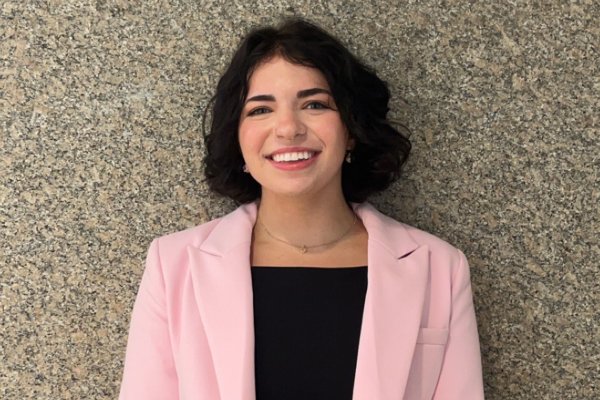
(303,249)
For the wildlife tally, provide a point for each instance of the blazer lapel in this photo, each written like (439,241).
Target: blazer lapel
(398,272)
(222,280)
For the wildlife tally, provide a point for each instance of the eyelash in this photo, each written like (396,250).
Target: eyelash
(309,106)
(322,106)
(258,111)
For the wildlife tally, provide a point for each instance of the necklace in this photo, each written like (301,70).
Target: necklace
(304,248)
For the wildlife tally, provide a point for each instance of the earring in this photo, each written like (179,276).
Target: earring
(349,157)
(245,168)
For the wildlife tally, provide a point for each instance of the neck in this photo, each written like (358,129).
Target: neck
(309,221)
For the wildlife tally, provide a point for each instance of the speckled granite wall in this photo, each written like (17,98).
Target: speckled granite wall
(100,152)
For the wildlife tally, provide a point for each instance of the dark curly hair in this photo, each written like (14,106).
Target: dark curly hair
(362,98)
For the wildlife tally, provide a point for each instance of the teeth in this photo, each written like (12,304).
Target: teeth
(294,156)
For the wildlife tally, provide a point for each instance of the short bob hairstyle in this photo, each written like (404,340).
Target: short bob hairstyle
(362,98)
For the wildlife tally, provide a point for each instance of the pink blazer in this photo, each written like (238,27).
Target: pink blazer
(192,334)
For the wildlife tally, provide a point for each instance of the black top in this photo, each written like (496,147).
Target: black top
(307,327)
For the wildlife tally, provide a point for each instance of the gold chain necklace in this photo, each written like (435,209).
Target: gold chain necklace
(304,248)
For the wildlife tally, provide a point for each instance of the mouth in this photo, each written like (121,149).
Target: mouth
(293,159)
(292,156)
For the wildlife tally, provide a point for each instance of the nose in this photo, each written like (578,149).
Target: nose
(289,126)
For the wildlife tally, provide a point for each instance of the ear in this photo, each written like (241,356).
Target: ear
(350,143)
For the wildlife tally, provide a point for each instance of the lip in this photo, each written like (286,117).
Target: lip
(293,165)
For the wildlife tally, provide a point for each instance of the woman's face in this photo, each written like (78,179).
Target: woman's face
(291,135)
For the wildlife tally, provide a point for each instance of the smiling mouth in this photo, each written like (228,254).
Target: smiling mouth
(292,156)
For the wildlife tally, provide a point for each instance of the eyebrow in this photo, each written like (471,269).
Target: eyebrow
(261,97)
(301,94)
(310,92)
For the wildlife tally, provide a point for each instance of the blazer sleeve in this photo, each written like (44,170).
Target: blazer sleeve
(149,371)
(461,374)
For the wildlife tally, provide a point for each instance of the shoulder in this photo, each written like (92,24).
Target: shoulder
(447,266)
(175,242)
(443,256)
(424,238)
(402,239)
(216,235)
(398,233)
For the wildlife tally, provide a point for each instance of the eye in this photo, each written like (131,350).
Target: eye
(258,111)
(316,105)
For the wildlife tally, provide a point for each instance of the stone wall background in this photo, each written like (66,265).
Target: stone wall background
(100,105)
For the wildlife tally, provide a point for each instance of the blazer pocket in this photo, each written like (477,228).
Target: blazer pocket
(426,363)
(432,336)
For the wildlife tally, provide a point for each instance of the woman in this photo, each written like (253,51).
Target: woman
(271,301)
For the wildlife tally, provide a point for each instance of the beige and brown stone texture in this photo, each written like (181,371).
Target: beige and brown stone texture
(101,151)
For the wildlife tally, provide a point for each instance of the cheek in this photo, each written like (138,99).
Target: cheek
(338,135)
(332,128)
(243,135)
(250,140)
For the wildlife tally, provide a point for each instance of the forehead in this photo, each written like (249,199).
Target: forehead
(277,74)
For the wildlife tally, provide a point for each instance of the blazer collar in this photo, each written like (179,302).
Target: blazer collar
(398,270)
(232,230)
(235,229)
